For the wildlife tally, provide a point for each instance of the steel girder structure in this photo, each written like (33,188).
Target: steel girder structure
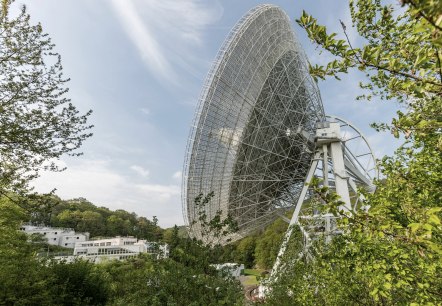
(249,143)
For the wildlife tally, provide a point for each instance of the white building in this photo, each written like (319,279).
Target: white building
(116,248)
(231,268)
(65,237)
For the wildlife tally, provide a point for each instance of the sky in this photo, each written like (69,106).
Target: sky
(139,65)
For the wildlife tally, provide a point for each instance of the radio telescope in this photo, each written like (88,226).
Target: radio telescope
(253,142)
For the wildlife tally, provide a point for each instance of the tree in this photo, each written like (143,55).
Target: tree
(117,226)
(23,280)
(391,254)
(213,229)
(245,251)
(171,237)
(144,281)
(145,229)
(268,245)
(39,206)
(78,283)
(38,122)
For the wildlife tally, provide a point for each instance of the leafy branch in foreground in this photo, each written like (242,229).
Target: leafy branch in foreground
(214,228)
(38,122)
(391,254)
(401,56)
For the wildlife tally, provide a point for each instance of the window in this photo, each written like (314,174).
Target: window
(55,233)
(55,239)
(108,243)
(65,244)
(67,238)
(78,237)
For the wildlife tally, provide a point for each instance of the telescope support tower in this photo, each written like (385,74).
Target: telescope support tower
(329,154)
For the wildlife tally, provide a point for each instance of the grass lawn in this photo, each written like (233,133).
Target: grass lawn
(250,280)
(255,272)
(250,276)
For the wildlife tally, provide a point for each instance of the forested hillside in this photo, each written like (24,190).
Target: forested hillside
(83,216)
(258,250)
(184,278)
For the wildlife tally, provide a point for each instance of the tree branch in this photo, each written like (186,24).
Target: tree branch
(439,63)
(404,74)
(431,21)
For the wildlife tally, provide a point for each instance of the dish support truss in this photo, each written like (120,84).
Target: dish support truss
(258,89)
(342,170)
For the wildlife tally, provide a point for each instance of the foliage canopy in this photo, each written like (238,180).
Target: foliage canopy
(38,122)
(391,254)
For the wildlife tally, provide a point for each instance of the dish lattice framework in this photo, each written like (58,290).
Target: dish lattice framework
(247,143)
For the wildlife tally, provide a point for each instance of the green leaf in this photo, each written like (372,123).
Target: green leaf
(414,226)
(433,219)
(433,210)
(387,286)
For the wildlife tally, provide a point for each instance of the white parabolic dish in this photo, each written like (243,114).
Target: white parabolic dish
(248,142)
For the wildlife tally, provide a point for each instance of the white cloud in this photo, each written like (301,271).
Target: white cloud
(177,175)
(145,111)
(383,143)
(162,192)
(140,170)
(100,183)
(163,31)
(142,37)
